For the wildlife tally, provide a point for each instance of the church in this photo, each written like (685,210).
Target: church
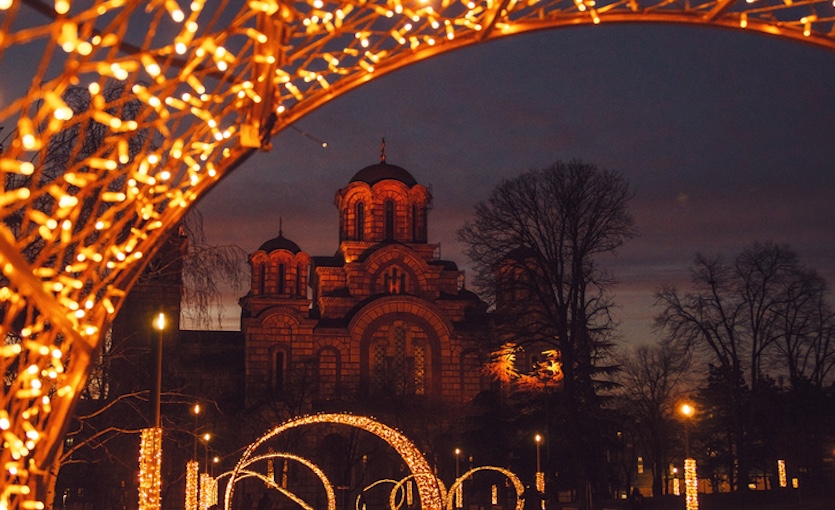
(384,316)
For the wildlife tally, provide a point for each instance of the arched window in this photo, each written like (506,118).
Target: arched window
(424,224)
(379,376)
(262,278)
(414,223)
(298,279)
(282,275)
(360,227)
(419,368)
(394,281)
(400,364)
(389,220)
(279,361)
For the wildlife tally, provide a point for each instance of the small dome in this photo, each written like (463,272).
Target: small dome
(280,243)
(382,171)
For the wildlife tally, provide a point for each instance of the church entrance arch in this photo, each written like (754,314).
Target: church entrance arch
(198,94)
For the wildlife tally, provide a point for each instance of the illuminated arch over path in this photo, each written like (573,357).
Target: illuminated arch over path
(428,490)
(202,90)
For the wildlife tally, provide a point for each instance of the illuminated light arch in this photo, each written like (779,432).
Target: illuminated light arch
(213,87)
(242,473)
(393,503)
(517,485)
(428,490)
(399,484)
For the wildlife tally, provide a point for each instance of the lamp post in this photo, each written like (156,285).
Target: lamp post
(540,476)
(691,483)
(458,491)
(687,411)
(159,325)
(150,446)
(193,468)
(206,437)
(538,439)
(196,411)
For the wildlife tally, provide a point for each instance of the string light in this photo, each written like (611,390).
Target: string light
(150,464)
(192,475)
(691,485)
(209,96)
(427,485)
(781,473)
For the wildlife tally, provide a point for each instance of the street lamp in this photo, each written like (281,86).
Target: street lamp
(687,411)
(159,325)
(458,491)
(193,468)
(206,437)
(196,410)
(150,445)
(691,483)
(540,476)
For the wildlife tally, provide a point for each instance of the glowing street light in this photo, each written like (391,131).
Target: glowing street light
(691,494)
(193,468)
(540,476)
(150,446)
(458,496)
(159,325)
(206,438)
(687,411)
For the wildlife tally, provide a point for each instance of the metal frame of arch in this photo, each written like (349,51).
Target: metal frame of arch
(213,82)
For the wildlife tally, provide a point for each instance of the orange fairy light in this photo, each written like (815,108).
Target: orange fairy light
(212,63)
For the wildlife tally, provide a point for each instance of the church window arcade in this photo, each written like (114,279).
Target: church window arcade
(400,363)
(360,223)
(389,220)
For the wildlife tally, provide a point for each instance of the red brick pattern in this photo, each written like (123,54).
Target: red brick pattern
(391,299)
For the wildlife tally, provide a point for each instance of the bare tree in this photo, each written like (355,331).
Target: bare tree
(653,379)
(741,316)
(534,244)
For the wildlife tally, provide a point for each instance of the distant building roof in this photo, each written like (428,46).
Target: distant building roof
(280,243)
(382,171)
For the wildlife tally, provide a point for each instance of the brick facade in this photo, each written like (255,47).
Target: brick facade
(382,315)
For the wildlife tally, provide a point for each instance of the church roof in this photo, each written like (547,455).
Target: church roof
(280,243)
(382,171)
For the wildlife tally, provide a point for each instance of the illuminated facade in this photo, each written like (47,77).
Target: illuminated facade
(213,92)
(383,317)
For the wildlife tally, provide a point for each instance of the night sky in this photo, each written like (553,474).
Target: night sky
(726,137)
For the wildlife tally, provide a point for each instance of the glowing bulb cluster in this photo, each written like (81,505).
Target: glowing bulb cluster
(207,96)
(150,464)
(691,485)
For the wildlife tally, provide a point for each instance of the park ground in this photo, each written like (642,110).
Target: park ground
(754,500)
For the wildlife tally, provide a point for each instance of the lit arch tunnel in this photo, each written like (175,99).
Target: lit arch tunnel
(203,90)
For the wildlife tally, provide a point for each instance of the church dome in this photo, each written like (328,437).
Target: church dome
(382,171)
(280,243)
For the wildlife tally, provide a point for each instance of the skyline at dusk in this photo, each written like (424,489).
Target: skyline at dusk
(724,136)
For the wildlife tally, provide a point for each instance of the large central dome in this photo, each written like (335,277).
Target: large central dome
(382,171)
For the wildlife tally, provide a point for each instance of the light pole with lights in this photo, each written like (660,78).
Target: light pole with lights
(687,411)
(458,491)
(691,483)
(540,476)
(206,438)
(159,325)
(150,445)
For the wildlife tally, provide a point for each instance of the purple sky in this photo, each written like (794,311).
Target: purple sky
(726,137)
